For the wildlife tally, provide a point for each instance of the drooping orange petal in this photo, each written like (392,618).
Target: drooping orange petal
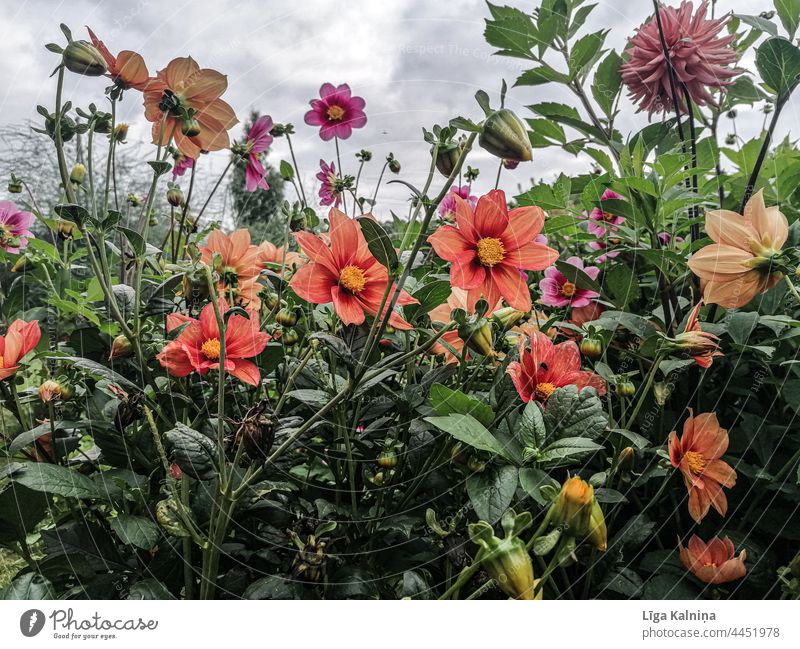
(347,306)
(718,261)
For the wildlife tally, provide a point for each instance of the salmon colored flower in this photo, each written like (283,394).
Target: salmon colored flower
(20,339)
(441,315)
(272,255)
(557,290)
(740,263)
(344,273)
(701,345)
(546,366)
(337,112)
(491,248)
(528,327)
(697,454)
(187,100)
(699,57)
(127,69)
(197,347)
(238,265)
(715,562)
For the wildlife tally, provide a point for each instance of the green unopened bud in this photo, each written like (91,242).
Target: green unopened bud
(592,347)
(175,196)
(394,165)
(477,336)
(190,127)
(625,388)
(20,265)
(598,533)
(626,458)
(506,560)
(120,132)
(387,459)
(77,174)
(84,58)
(121,347)
(290,337)
(505,136)
(65,228)
(134,200)
(661,392)
(286,317)
(507,317)
(14,185)
(447,157)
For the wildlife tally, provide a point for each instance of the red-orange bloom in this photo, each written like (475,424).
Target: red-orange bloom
(272,255)
(702,345)
(491,248)
(239,265)
(187,99)
(197,347)
(345,273)
(127,69)
(697,454)
(547,366)
(20,339)
(715,562)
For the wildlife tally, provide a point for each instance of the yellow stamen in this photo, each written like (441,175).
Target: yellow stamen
(352,278)
(2,361)
(210,349)
(491,251)
(568,290)
(544,390)
(696,462)
(335,112)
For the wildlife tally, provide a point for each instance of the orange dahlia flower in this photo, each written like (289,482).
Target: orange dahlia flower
(187,99)
(702,345)
(491,248)
(441,315)
(715,562)
(197,347)
(739,264)
(20,339)
(127,69)
(344,273)
(697,454)
(279,256)
(547,366)
(238,265)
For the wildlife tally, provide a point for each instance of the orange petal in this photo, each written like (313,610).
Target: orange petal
(729,228)
(719,261)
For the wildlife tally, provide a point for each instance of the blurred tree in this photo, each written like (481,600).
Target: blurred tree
(260,211)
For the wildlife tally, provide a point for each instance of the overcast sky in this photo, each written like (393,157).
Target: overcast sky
(416,63)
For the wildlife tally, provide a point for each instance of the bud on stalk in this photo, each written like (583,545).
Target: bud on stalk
(592,347)
(52,390)
(477,336)
(447,157)
(121,347)
(82,57)
(78,173)
(505,136)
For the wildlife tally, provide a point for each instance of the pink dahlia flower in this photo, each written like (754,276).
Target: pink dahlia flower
(602,245)
(328,193)
(182,163)
(258,140)
(699,55)
(337,112)
(447,208)
(557,290)
(14,224)
(600,223)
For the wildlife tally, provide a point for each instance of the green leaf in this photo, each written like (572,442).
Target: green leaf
(21,509)
(73,308)
(778,63)
(541,196)
(313,398)
(160,167)
(467,429)
(72,212)
(622,284)
(28,586)
(286,170)
(491,492)
(531,426)
(100,371)
(637,440)
(577,276)
(741,324)
(136,530)
(379,243)
(511,31)
(192,451)
(607,82)
(566,449)
(55,479)
(541,75)
(586,51)
(138,244)
(544,544)
(432,295)
(760,23)
(149,589)
(789,13)
(532,480)
(446,401)
(573,413)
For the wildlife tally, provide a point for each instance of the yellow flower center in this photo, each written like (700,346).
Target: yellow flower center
(491,251)
(2,361)
(210,349)
(544,390)
(696,462)
(352,278)
(568,290)
(335,112)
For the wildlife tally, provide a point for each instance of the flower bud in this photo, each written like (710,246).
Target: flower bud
(661,392)
(598,534)
(477,336)
(290,337)
(190,127)
(78,173)
(506,560)
(20,265)
(121,347)
(573,507)
(84,58)
(510,164)
(286,317)
(65,228)
(394,165)
(120,132)
(505,136)
(175,471)
(51,390)
(447,157)
(507,317)
(626,458)
(175,196)
(387,459)
(134,200)
(625,388)
(592,347)
(14,185)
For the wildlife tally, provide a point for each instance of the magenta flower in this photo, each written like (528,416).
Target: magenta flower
(14,224)
(182,163)
(258,140)
(601,223)
(329,194)
(447,208)
(558,291)
(336,112)
(666,238)
(699,57)
(602,245)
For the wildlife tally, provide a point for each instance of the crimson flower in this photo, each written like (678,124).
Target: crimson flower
(197,347)
(546,367)
(344,273)
(491,248)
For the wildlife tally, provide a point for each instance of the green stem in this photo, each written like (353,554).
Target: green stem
(296,170)
(651,375)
